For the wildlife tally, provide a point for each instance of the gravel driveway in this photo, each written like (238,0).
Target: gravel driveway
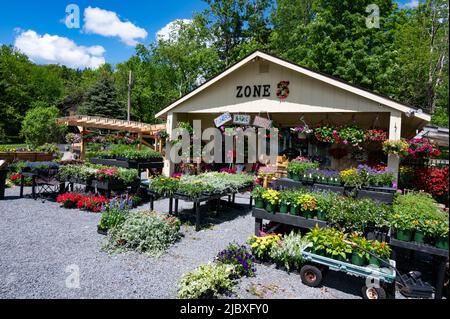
(41,245)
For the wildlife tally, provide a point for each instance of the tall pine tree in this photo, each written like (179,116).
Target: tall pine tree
(101,100)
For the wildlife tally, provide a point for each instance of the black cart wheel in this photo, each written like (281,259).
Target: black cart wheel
(311,276)
(373,293)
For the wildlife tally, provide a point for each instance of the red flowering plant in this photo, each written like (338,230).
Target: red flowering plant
(422,148)
(17,178)
(326,134)
(434,181)
(69,200)
(229,170)
(93,204)
(376,135)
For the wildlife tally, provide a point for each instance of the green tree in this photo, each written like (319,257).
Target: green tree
(101,99)
(39,126)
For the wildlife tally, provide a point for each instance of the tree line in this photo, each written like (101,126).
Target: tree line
(406,58)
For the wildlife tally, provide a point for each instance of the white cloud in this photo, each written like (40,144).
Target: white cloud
(174,26)
(53,49)
(411,4)
(108,24)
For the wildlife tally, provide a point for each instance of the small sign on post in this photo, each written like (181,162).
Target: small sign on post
(262,122)
(242,119)
(223,119)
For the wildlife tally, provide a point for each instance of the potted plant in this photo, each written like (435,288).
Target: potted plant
(308,205)
(381,250)
(285,202)
(272,199)
(441,233)
(360,255)
(257,194)
(402,225)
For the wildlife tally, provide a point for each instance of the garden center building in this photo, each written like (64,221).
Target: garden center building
(290,96)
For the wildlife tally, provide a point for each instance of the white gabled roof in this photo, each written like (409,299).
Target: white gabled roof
(315,75)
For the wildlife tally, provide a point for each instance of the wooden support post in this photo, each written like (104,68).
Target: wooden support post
(83,145)
(395,134)
(140,137)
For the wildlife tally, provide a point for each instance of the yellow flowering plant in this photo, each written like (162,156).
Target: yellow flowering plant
(261,246)
(271,196)
(350,177)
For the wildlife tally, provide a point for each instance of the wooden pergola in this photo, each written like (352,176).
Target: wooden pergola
(92,122)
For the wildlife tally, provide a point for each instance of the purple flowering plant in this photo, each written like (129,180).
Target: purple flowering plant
(240,257)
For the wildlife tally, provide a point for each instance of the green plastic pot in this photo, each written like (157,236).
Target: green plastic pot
(442,243)
(358,260)
(284,209)
(419,237)
(404,235)
(294,210)
(322,216)
(374,262)
(309,215)
(271,208)
(259,203)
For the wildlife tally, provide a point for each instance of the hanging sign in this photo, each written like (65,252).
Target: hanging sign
(262,122)
(223,119)
(242,119)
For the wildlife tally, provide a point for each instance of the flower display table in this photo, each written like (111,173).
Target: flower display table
(298,221)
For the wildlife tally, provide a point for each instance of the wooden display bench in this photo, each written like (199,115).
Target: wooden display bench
(197,201)
(297,221)
(441,257)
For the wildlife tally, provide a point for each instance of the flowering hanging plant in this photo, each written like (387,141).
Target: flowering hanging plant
(351,135)
(399,148)
(326,134)
(422,148)
(376,135)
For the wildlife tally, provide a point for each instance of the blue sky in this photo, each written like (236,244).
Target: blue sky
(108,35)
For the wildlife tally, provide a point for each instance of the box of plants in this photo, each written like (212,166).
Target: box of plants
(130,154)
(416,217)
(113,178)
(78,174)
(298,167)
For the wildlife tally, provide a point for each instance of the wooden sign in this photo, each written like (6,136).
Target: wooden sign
(223,119)
(262,122)
(242,119)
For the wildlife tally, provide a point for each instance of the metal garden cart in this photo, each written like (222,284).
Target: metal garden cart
(382,279)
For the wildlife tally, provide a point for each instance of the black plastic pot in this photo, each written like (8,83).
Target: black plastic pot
(102,231)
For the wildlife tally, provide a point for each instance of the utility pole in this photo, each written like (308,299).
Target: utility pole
(130,84)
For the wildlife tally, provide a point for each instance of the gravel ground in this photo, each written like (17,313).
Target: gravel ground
(40,244)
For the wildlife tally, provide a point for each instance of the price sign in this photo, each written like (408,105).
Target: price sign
(242,119)
(262,122)
(223,119)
